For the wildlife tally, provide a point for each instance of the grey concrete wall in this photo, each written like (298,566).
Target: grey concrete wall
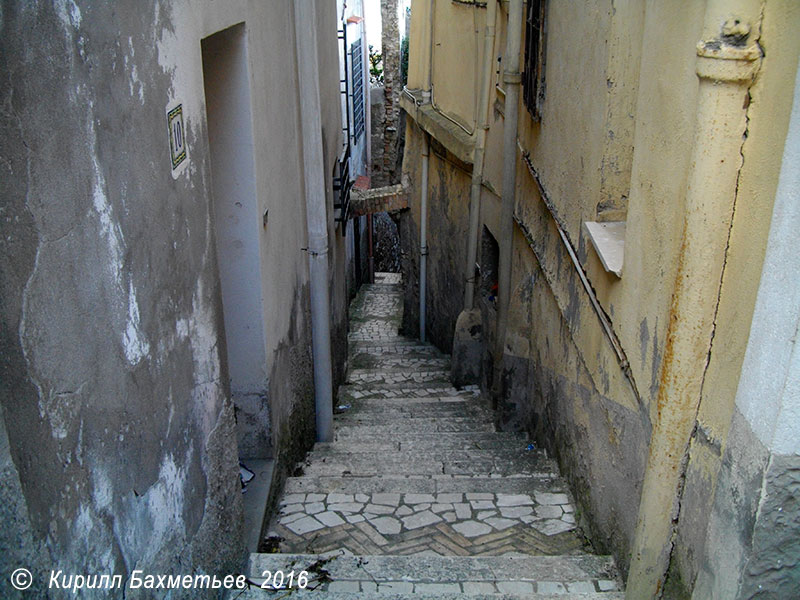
(122,448)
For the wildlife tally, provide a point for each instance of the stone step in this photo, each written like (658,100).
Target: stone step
(382,287)
(400,342)
(416,401)
(353,417)
(472,523)
(431,484)
(347,430)
(358,349)
(387,336)
(417,577)
(377,415)
(407,435)
(403,366)
(411,377)
(480,456)
(371,464)
(255,593)
(432,444)
(374,311)
(393,382)
(399,363)
(426,390)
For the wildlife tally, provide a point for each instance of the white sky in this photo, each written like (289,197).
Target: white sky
(372,20)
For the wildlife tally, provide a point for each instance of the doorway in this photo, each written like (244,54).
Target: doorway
(226,82)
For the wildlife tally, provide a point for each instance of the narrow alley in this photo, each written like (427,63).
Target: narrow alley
(419,493)
(575,374)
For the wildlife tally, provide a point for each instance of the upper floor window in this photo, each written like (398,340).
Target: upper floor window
(535,45)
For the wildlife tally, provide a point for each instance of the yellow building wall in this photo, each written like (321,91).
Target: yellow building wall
(614,143)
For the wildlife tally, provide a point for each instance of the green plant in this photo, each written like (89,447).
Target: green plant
(375,66)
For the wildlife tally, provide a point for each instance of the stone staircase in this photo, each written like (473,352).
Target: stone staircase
(420,496)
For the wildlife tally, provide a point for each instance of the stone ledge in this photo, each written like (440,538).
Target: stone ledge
(608,239)
(390,198)
(457,141)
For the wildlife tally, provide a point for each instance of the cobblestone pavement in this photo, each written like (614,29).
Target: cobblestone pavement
(418,473)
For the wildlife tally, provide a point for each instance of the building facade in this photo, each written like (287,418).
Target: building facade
(601,242)
(157,321)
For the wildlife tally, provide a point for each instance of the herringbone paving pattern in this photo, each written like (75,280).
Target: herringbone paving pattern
(418,468)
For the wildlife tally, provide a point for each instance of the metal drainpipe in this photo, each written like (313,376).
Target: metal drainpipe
(725,71)
(423,241)
(316,213)
(370,255)
(477,164)
(423,227)
(512,80)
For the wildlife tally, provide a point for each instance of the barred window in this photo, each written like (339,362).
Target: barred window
(535,46)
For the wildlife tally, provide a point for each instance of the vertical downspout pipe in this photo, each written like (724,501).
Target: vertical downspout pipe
(727,62)
(423,227)
(477,162)
(316,213)
(423,235)
(370,251)
(512,80)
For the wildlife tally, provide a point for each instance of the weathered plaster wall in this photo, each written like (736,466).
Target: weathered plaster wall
(116,400)
(121,446)
(562,379)
(330,99)
(448,212)
(457,52)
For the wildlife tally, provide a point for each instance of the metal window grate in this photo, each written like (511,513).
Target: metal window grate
(357,67)
(341,169)
(535,45)
(342,183)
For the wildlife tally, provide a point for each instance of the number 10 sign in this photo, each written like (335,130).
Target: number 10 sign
(177,136)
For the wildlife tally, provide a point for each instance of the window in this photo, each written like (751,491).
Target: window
(489,267)
(357,62)
(535,46)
